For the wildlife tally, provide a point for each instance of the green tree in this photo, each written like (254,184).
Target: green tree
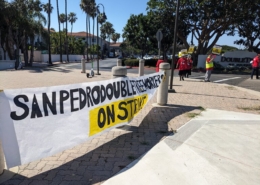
(107,30)
(137,32)
(20,21)
(62,18)
(89,7)
(72,18)
(115,37)
(247,27)
(48,9)
(207,20)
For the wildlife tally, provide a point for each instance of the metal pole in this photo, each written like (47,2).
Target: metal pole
(97,47)
(98,36)
(174,43)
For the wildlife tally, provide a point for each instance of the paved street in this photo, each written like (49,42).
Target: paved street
(99,159)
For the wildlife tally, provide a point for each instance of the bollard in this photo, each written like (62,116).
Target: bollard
(2,161)
(162,93)
(119,62)
(119,71)
(83,67)
(141,67)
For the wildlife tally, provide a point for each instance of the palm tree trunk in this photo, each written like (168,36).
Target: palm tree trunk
(17,49)
(25,50)
(57,2)
(10,44)
(71,29)
(66,45)
(87,35)
(93,38)
(49,32)
(66,42)
(32,51)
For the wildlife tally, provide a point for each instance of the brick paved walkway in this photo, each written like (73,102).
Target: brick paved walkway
(99,159)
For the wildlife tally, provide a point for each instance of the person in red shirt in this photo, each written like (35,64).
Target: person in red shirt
(189,66)
(255,66)
(182,66)
(158,64)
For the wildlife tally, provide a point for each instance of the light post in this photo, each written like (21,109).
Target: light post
(174,43)
(103,19)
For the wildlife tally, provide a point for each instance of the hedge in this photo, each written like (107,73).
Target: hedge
(135,62)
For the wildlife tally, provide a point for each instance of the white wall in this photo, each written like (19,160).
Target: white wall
(56,57)
(7,64)
(231,57)
(37,56)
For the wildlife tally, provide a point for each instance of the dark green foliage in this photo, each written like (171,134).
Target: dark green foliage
(135,62)
(131,62)
(228,48)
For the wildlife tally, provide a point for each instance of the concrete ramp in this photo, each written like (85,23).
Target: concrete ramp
(217,147)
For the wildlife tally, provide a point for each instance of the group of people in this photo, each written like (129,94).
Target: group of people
(209,66)
(184,64)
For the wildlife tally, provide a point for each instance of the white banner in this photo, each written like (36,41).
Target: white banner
(40,122)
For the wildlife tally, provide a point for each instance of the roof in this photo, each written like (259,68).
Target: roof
(80,34)
(115,44)
(47,29)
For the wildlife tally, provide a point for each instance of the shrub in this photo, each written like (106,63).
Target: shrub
(135,62)
(131,62)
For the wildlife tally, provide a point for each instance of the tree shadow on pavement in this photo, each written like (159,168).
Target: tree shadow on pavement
(117,149)
(54,68)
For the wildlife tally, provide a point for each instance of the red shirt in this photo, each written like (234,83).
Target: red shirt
(189,63)
(182,64)
(158,64)
(256,62)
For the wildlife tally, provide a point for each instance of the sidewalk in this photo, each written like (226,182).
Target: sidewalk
(96,161)
(217,147)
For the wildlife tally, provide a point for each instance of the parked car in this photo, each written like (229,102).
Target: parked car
(218,66)
(231,67)
(248,66)
(147,57)
(240,67)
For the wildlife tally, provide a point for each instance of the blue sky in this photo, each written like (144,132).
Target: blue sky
(117,11)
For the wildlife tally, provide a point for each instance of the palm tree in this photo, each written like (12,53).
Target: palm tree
(115,37)
(103,37)
(57,2)
(48,9)
(108,29)
(87,7)
(72,19)
(62,18)
(34,25)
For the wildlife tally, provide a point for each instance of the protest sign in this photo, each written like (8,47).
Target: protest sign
(216,50)
(40,122)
